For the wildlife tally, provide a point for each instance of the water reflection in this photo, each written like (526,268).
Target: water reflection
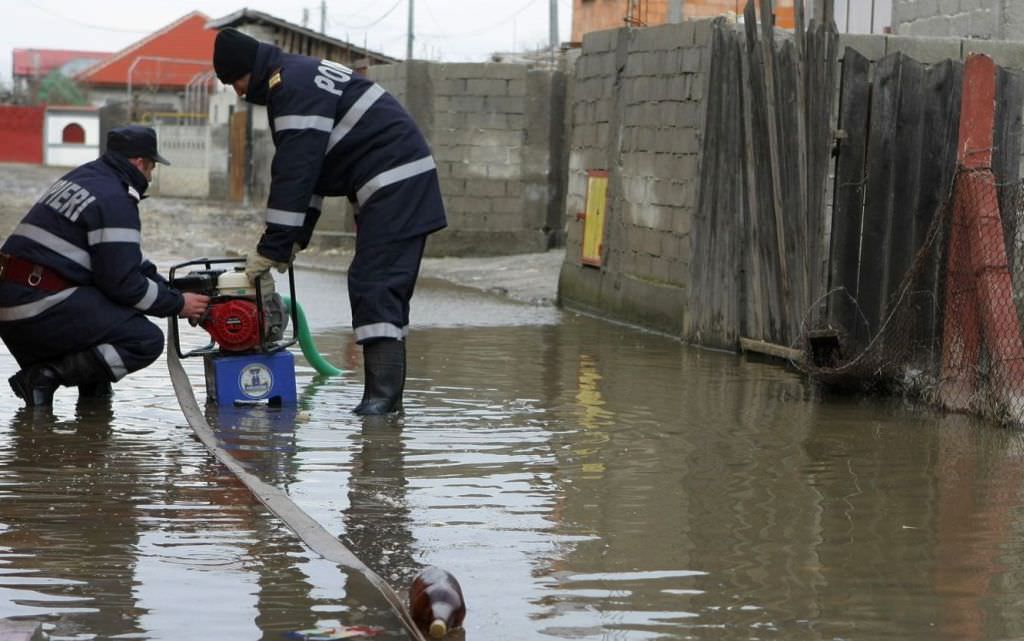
(57,558)
(582,480)
(377,519)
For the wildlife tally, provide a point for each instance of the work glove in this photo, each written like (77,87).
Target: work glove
(257,268)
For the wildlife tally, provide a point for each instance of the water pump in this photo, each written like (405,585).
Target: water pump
(235,316)
(247,358)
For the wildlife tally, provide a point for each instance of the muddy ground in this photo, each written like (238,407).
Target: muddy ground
(177,229)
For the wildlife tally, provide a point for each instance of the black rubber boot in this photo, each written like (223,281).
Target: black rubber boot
(36,384)
(98,389)
(384,366)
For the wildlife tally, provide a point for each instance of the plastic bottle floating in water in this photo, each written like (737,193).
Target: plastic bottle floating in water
(435,602)
(330,634)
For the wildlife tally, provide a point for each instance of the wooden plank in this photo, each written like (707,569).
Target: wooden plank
(714,300)
(791,166)
(704,323)
(1006,155)
(848,199)
(812,104)
(878,195)
(801,71)
(906,172)
(802,199)
(940,121)
(821,136)
(756,304)
(768,67)
(700,265)
(237,128)
(730,282)
(763,217)
(770,349)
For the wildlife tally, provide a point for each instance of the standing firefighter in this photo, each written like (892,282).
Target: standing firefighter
(74,287)
(339,134)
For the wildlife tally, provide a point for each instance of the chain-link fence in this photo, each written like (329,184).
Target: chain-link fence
(951,332)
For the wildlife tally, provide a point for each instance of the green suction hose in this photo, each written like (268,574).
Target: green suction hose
(314,358)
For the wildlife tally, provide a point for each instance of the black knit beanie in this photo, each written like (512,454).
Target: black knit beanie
(233,55)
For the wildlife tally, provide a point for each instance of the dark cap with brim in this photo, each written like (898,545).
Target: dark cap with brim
(135,141)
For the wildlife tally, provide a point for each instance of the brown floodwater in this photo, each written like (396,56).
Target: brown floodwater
(583,480)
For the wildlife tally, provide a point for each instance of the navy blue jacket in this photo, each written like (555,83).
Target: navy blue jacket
(337,133)
(86,228)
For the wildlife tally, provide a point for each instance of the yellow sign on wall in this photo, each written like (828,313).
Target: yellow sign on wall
(593,217)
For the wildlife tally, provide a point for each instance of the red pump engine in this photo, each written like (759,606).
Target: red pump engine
(233,324)
(233,316)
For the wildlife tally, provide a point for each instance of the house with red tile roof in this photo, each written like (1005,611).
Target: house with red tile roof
(159,69)
(29,66)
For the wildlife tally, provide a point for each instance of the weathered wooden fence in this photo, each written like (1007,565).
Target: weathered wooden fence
(895,162)
(820,184)
(760,236)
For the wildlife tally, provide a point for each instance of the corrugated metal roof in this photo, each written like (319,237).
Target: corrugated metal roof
(243,17)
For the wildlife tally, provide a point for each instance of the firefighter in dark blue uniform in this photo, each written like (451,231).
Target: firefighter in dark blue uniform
(339,134)
(74,287)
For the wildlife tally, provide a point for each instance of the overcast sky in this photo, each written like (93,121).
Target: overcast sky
(450,30)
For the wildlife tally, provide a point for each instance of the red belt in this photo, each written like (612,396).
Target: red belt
(23,272)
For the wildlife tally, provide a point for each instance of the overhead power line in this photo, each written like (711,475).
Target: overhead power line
(67,18)
(370,24)
(475,32)
(433,17)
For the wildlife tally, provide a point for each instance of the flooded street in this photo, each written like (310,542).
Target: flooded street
(583,480)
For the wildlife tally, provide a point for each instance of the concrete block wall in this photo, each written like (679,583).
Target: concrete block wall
(496,134)
(637,112)
(985,19)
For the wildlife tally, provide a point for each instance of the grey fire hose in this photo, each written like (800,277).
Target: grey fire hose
(304,526)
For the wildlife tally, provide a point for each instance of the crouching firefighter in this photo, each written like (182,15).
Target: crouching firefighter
(337,133)
(75,289)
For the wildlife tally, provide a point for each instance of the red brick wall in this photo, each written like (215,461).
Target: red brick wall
(22,140)
(597,15)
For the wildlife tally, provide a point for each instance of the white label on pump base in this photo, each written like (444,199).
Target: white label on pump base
(255,380)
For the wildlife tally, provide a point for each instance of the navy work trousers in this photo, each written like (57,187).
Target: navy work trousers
(381,280)
(124,338)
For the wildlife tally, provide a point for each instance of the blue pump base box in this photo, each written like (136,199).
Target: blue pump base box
(249,378)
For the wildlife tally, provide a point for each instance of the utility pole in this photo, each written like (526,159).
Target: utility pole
(305,18)
(323,16)
(409,39)
(553,25)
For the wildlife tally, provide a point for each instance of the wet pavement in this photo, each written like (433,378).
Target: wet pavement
(583,480)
